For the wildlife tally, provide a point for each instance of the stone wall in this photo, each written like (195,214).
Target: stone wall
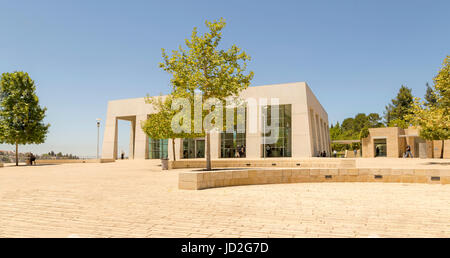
(67,161)
(212,179)
(243,163)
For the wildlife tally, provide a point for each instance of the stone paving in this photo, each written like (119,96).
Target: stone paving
(136,199)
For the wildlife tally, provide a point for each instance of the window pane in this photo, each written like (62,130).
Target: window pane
(282,148)
(233,145)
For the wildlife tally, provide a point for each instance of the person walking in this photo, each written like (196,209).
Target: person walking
(408,152)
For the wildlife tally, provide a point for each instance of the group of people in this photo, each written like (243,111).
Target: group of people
(323,154)
(240,152)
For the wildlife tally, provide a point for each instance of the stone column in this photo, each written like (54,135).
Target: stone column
(313,132)
(322,136)
(140,139)
(109,146)
(132,139)
(253,131)
(329,138)
(319,140)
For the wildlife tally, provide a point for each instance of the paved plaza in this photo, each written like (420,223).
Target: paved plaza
(137,199)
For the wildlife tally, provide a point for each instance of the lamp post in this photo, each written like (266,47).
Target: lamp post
(98,135)
(264,115)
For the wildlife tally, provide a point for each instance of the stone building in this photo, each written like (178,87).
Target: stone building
(392,142)
(303,127)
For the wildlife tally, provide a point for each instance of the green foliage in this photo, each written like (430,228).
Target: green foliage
(204,68)
(399,108)
(158,125)
(354,129)
(402,123)
(442,85)
(430,96)
(434,120)
(364,133)
(21,117)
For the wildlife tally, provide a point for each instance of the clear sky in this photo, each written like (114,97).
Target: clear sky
(354,54)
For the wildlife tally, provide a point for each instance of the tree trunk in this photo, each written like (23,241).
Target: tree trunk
(17,154)
(173,150)
(208,152)
(442,150)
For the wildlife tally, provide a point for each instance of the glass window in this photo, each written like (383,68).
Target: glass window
(193,148)
(157,149)
(283,146)
(233,145)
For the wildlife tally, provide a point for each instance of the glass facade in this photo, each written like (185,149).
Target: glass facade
(193,148)
(233,145)
(157,149)
(283,146)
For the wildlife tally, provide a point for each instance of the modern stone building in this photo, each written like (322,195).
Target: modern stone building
(303,127)
(392,141)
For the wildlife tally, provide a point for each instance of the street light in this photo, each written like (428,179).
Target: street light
(98,134)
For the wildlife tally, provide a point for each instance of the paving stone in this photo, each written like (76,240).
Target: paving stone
(137,199)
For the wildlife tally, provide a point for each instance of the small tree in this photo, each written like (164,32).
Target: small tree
(158,125)
(434,119)
(21,117)
(397,111)
(205,68)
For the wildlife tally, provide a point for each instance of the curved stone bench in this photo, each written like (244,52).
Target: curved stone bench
(222,178)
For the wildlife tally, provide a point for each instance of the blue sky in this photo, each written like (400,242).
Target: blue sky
(354,54)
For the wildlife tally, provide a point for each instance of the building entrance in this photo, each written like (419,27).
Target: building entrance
(380,146)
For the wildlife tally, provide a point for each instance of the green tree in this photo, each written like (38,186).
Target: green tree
(354,129)
(364,133)
(21,117)
(397,111)
(158,124)
(434,120)
(374,120)
(205,68)
(430,96)
(335,131)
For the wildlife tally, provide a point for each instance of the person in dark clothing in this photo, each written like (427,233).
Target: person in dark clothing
(408,152)
(32,159)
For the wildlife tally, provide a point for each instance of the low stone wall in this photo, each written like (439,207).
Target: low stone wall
(262,163)
(67,161)
(212,179)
